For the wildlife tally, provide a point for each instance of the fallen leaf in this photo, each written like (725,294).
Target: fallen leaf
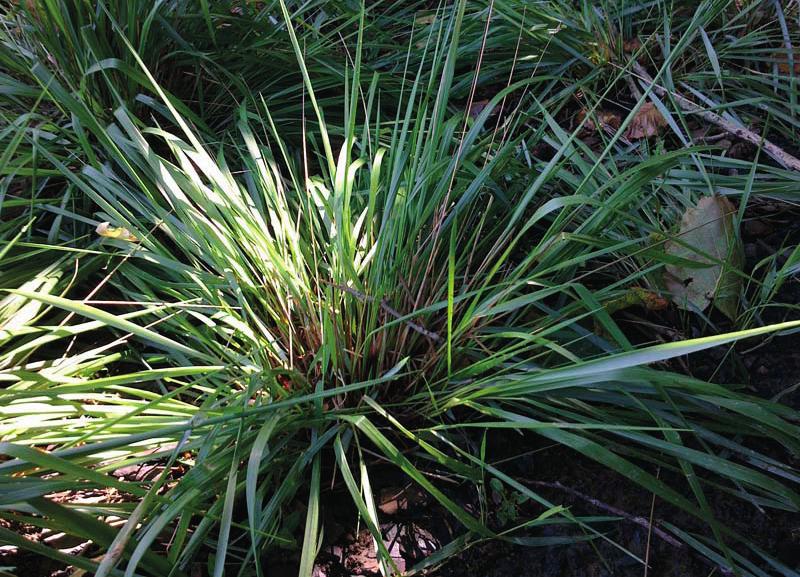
(395,499)
(139,472)
(649,300)
(477,107)
(106,230)
(631,45)
(406,542)
(362,558)
(608,120)
(637,296)
(783,62)
(647,122)
(392,500)
(707,238)
(741,150)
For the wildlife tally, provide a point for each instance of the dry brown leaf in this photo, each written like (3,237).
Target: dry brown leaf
(477,107)
(783,62)
(631,45)
(634,46)
(741,150)
(647,122)
(394,499)
(404,542)
(608,120)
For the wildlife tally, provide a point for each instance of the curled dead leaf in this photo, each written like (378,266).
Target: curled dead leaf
(637,296)
(650,300)
(647,122)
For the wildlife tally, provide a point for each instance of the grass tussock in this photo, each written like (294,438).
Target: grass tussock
(271,247)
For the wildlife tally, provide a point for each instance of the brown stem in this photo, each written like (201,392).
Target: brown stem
(387,308)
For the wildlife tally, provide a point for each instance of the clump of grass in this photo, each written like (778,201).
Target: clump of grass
(404,276)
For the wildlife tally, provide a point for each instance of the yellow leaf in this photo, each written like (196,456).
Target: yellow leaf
(118,232)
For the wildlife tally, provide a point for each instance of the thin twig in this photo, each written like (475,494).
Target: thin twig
(613,510)
(650,530)
(776,152)
(387,308)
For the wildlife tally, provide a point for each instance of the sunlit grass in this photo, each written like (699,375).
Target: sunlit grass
(390,271)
